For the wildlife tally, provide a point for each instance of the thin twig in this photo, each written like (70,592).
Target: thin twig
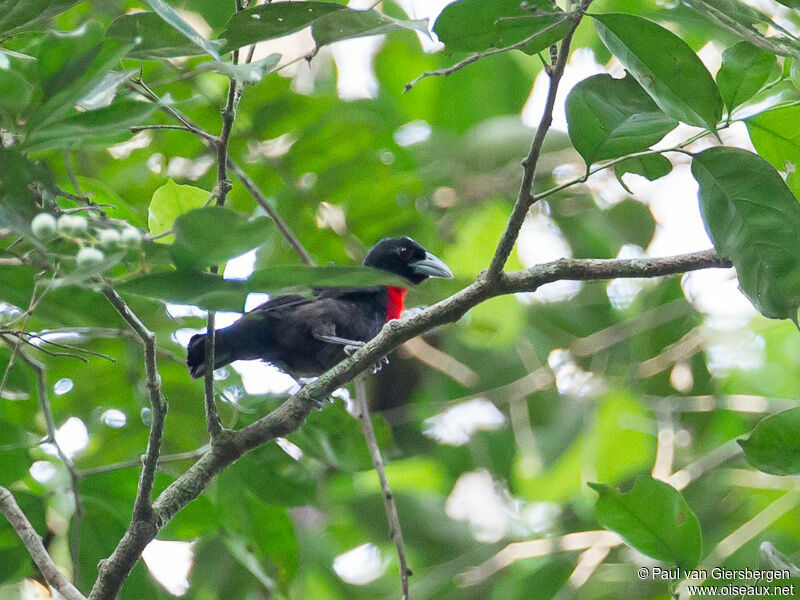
(33,542)
(481,55)
(524,199)
(395,531)
(50,424)
(169,458)
(142,508)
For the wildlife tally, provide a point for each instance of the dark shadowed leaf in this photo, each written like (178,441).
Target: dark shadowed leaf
(774,445)
(166,12)
(189,287)
(329,23)
(210,235)
(609,118)
(91,126)
(754,220)
(16,15)
(156,37)
(654,518)
(652,167)
(476,25)
(665,66)
(745,69)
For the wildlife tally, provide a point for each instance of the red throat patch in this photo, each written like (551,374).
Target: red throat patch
(394,303)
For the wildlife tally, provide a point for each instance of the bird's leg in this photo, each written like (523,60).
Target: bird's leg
(350,346)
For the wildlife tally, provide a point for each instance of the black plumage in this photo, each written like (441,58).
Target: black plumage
(306,336)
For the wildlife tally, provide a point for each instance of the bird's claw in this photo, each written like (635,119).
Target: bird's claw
(379,365)
(319,403)
(351,349)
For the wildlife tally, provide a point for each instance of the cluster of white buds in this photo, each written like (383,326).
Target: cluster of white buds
(46,227)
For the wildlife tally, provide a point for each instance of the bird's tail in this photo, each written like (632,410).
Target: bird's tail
(196,352)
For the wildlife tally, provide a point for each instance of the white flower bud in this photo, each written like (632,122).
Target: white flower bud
(88,257)
(109,238)
(43,225)
(131,237)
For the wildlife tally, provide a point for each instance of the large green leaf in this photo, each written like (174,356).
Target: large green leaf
(774,445)
(16,90)
(214,292)
(189,287)
(665,66)
(329,23)
(208,236)
(156,38)
(16,15)
(654,518)
(478,25)
(608,118)
(775,139)
(753,219)
(168,14)
(745,69)
(169,202)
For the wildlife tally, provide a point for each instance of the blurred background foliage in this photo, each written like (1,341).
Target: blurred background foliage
(492,426)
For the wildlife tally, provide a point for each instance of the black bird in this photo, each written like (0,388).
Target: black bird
(305,337)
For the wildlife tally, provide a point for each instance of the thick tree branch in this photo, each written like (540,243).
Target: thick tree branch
(529,164)
(33,542)
(290,415)
(395,531)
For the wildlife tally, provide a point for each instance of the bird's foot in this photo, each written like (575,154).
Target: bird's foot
(379,365)
(351,349)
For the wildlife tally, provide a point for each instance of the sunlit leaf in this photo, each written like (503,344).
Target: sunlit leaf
(774,141)
(654,519)
(609,118)
(170,201)
(774,445)
(665,66)
(753,219)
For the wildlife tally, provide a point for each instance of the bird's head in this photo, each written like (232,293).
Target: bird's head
(406,258)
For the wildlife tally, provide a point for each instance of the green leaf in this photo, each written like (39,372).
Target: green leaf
(189,287)
(210,235)
(249,72)
(166,12)
(665,66)
(94,125)
(16,94)
(268,21)
(753,219)
(215,293)
(654,519)
(745,69)
(608,118)
(15,15)
(329,23)
(156,38)
(652,167)
(348,23)
(64,56)
(299,276)
(774,141)
(774,444)
(170,201)
(478,25)
(74,81)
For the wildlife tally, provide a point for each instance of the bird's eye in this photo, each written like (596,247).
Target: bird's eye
(404,252)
